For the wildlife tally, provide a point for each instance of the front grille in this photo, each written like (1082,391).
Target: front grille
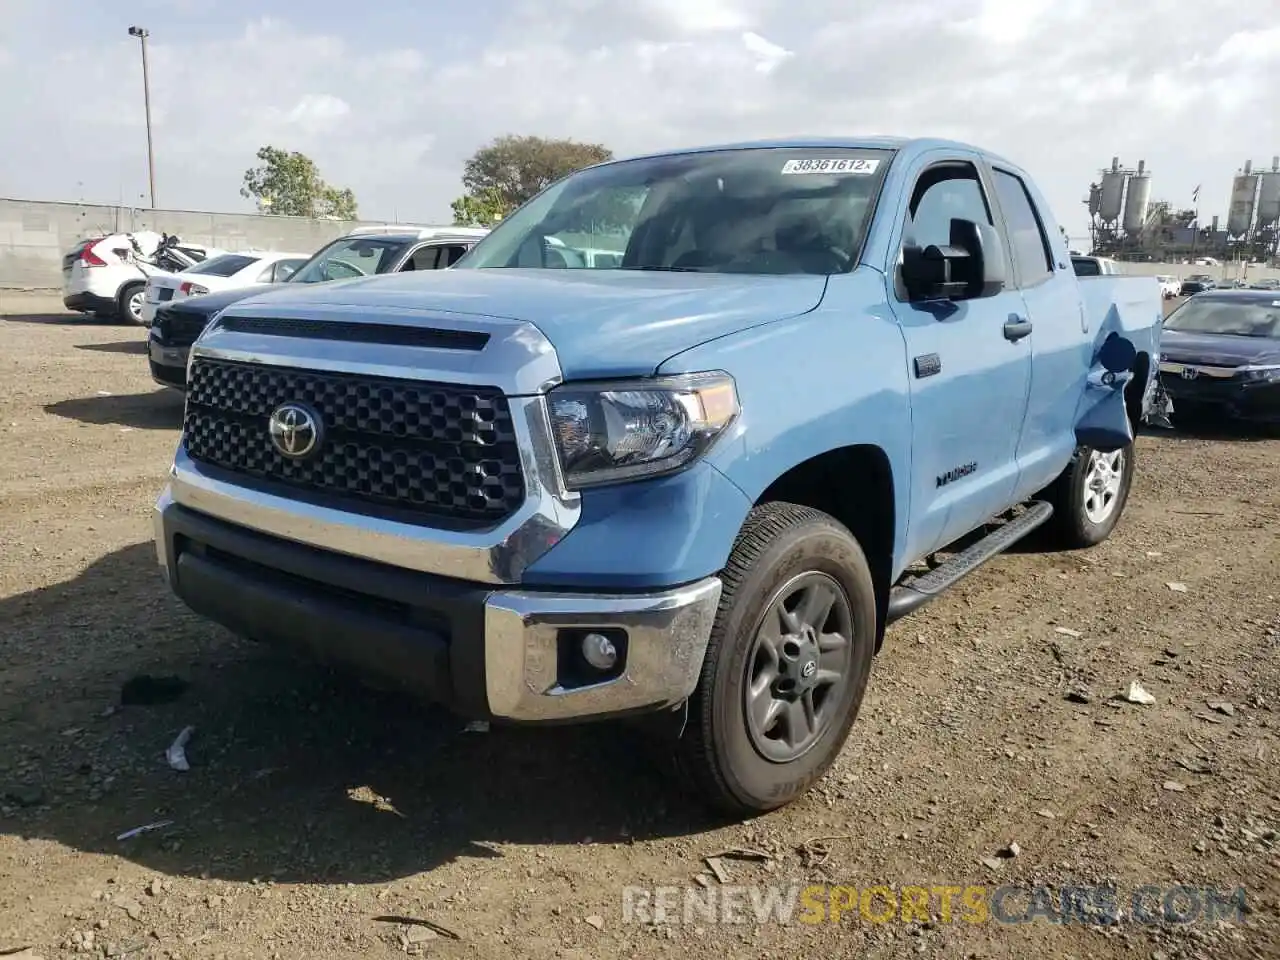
(439,451)
(1209,388)
(178,328)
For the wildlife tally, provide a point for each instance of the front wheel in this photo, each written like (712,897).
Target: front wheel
(1090,495)
(788,662)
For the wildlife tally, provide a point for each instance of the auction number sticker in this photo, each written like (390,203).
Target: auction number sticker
(858,165)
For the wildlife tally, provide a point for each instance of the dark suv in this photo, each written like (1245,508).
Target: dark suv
(361,253)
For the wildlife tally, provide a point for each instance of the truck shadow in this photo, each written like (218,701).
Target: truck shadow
(161,409)
(296,775)
(118,346)
(58,319)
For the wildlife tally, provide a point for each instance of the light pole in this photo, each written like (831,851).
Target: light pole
(142,33)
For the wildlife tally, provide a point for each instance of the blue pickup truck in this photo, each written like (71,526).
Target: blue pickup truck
(693,476)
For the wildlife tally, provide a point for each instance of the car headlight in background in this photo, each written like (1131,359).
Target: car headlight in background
(607,432)
(1260,371)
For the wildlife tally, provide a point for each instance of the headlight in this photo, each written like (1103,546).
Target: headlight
(1260,371)
(606,432)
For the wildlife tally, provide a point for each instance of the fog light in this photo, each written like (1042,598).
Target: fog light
(599,651)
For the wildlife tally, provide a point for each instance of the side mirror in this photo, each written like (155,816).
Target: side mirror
(1117,353)
(970,266)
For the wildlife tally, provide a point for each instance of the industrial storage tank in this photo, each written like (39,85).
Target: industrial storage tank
(1137,200)
(1240,213)
(1111,199)
(1269,196)
(1095,199)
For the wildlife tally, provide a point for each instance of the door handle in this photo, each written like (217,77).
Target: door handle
(1016,327)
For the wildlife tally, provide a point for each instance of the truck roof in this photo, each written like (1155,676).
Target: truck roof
(397,230)
(901,144)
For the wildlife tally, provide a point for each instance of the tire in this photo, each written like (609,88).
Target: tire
(129,303)
(1089,497)
(724,755)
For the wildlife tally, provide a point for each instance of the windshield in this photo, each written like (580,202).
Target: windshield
(1240,318)
(227,265)
(351,257)
(758,211)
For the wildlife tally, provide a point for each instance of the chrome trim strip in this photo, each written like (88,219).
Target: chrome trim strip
(1221,373)
(518,359)
(667,637)
(157,522)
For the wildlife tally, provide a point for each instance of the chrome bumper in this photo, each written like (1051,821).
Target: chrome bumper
(667,635)
(502,655)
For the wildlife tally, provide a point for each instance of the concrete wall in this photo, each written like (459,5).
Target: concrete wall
(1223,271)
(35,234)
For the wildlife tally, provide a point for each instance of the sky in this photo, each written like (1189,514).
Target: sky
(391,97)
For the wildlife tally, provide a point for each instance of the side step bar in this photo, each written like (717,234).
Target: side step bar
(910,596)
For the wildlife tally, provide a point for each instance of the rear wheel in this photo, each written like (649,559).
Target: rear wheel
(130,302)
(788,662)
(1090,495)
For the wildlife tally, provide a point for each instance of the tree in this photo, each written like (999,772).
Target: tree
(478,211)
(511,169)
(288,184)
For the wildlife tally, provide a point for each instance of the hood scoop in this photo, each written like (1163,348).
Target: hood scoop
(390,334)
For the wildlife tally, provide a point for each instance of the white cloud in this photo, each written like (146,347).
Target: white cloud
(768,55)
(1058,86)
(318,111)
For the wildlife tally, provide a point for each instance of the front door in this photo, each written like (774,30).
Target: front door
(969,371)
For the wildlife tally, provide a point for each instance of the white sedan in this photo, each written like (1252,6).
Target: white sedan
(227,271)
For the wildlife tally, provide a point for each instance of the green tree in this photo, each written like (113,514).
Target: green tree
(288,184)
(478,211)
(511,169)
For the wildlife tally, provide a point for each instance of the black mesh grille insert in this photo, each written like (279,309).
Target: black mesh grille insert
(178,328)
(439,450)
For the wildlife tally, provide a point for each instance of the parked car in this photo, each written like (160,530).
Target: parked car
(1221,356)
(1190,288)
(695,483)
(106,276)
(224,272)
(367,250)
(1095,267)
(1267,283)
(1170,287)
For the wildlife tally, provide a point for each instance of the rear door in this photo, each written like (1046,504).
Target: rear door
(1059,344)
(968,379)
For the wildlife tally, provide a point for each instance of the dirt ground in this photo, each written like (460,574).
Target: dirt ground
(317,818)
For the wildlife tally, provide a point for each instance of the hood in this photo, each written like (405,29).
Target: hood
(1217,349)
(602,323)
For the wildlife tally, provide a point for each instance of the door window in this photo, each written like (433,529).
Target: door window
(941,194)
(1027,242)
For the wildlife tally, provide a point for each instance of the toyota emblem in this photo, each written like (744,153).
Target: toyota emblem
(295,430)
(1190,373)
